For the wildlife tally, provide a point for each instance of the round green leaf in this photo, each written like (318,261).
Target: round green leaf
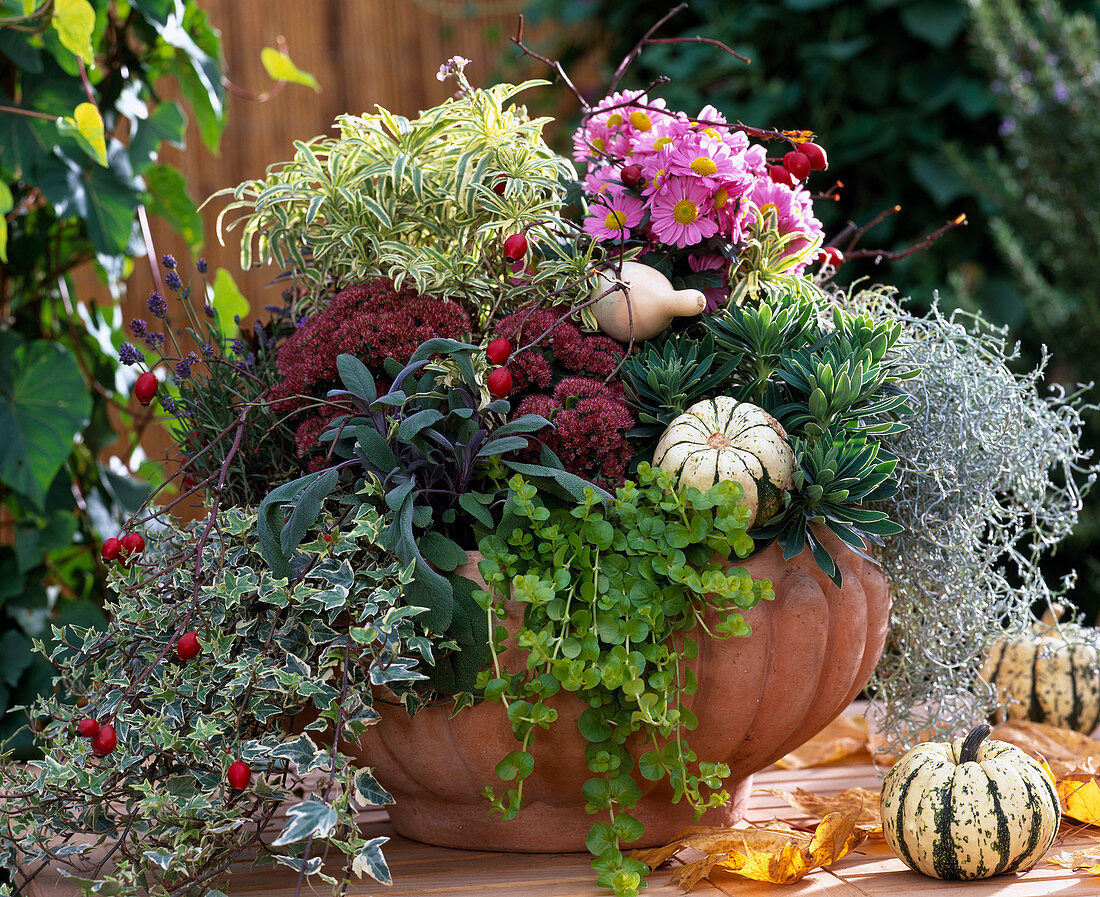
(44,403)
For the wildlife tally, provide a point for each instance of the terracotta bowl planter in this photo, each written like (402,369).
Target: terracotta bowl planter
(811,650)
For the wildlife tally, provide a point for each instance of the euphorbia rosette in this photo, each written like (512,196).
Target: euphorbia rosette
(699,178)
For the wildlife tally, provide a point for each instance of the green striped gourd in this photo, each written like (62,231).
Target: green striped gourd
(969,808)
(723,439)
(1049,675)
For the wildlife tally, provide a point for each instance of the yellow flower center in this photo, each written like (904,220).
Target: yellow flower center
(661,141)
(704,165)
(710,132)
(598,143)
(614,220)
(685,211)
(640,120)
(721,198)
(614,119)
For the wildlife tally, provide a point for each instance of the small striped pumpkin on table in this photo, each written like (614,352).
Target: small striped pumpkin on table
(969,808)
(1049,675)
(723,439)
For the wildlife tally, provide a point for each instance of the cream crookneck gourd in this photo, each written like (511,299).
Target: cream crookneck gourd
(646,308)
(969,808)
(724,439)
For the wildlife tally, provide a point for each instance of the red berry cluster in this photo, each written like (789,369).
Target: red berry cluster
(798,163)
(499,380)
(104,739)
(127,547)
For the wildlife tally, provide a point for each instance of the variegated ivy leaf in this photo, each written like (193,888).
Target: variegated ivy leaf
(369,859)
(368,793)
(309,867)
(309,818)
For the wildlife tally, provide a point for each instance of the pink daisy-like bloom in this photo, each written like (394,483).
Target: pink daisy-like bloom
(600,178)
(729,210)
(666,130)
(710,261)
(613,125)
(756,159)
(707,159)
(794,213)
(612,214)
(680,211)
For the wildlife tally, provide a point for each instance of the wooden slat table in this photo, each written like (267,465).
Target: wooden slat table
(423,871)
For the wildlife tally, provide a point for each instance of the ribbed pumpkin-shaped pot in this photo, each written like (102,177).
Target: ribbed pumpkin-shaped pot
(811,650)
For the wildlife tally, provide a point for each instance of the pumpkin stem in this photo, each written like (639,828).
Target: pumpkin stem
(969,752)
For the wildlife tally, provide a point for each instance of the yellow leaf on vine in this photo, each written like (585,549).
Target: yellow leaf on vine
(74,21)
(280,68)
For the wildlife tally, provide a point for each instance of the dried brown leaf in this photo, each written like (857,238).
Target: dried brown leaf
(843,737)
(778,856)
(1064,749)
(862,804)
(1085,860)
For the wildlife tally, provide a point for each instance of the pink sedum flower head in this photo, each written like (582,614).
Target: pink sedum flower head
(680,211)
(612,214)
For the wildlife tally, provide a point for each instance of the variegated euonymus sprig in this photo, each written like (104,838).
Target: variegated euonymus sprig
(284,666)
(431,199)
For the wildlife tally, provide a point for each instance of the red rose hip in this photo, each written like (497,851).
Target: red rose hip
(239,776)
(188,646)
(498,351)
(104,741)
(631,174)
(110,549)
(515,247)
(499,382)
(132,543)
(146,387)
(797,164)
(819,161)
(780,175)
(87,728)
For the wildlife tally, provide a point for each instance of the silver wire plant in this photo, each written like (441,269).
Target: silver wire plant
(991,475)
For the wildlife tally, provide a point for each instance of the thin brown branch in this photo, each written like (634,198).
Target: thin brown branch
(924,243)
(550,63)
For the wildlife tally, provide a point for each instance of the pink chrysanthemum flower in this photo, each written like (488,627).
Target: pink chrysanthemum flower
(710,261)
(707,159)
(756,159)
(614,125)
(794,213)
(612,214)
(729,211)
(680,211)
(600,178)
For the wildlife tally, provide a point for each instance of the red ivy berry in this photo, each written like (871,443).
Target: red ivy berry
(110,549)
(239,776)
(515,247)
(780,175)
(818,159)
(132,543)
(631,174)
(499,382)
(104,741)
(498,351)
(87,728)
(146,387)
(797,164)
(188,646)
(831,256)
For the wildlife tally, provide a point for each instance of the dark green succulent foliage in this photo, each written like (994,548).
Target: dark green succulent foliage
(835,476)
(835,387)
(758,335)
(664,379)
(435,460)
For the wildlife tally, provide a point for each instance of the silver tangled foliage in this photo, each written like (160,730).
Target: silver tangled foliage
(991,476)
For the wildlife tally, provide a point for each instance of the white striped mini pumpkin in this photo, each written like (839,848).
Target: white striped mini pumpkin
(722,439)
(1050,675)
(969,808)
